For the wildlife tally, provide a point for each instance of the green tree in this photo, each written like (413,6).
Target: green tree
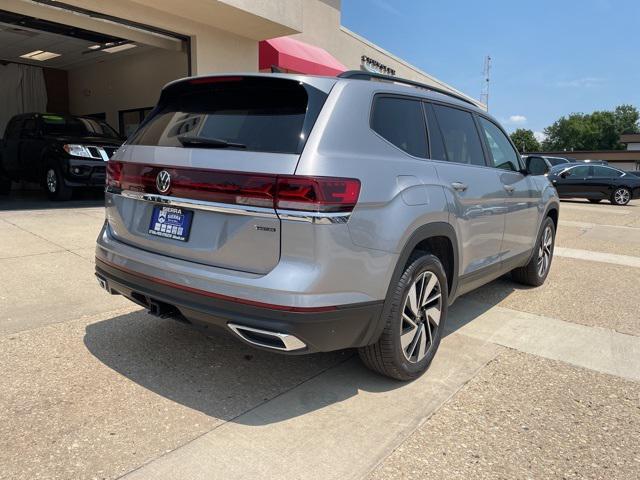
(599,130)
(525,140)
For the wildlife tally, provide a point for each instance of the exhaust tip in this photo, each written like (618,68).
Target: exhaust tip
(264,338)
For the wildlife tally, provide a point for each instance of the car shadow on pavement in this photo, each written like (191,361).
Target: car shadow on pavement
(222,377)
(218,374)
(474,304)
(37,200)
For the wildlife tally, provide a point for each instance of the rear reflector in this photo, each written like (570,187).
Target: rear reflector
(285,192)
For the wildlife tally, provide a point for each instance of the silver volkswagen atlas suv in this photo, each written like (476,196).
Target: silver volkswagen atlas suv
(308,214)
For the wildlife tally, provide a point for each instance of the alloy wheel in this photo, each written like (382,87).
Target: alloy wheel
(52,180)
(622,196)
(420,317)
(544,251)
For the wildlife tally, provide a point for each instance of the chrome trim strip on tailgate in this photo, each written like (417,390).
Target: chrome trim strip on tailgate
(198,204)
(323,218)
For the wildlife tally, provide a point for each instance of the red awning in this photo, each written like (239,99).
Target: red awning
(296,56)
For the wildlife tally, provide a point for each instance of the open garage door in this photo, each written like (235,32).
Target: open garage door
(113,74)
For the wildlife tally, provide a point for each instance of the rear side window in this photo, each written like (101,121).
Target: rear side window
(248,113)
(401,122)
(460,136)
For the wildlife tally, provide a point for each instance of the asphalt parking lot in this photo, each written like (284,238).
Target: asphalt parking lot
(528,383)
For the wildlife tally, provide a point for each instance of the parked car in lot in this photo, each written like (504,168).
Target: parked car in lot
(307,214)
(595,183)
(595,162)
(61,152)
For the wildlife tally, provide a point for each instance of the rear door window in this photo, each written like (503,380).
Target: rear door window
(460,135)
(400,121)
(606,172)
(248,113)
(579,172)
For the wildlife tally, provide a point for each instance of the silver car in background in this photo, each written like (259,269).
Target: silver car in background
(307,214)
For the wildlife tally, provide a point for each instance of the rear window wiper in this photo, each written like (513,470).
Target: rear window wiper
(206,142)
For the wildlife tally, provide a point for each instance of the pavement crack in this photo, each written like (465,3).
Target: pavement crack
(44,239)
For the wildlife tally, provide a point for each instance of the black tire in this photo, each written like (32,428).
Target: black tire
(387,356)
(54,185)
(531,274)
(594,200)
(621,196)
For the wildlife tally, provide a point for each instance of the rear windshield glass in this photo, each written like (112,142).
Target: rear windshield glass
(256,114)
(556,161)
(76,126)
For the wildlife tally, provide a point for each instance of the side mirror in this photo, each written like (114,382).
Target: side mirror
(536,166)
(564,174)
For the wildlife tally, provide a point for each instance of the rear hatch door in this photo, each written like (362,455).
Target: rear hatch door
(196,182)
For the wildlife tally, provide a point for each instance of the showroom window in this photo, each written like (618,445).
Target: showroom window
(131,119)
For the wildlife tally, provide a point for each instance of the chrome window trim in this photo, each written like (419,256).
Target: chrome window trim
(322,218)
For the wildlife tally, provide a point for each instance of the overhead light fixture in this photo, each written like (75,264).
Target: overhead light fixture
(40,55)
(119,48)
(94,47)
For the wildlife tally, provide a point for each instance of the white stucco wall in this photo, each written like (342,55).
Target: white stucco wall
(127,82)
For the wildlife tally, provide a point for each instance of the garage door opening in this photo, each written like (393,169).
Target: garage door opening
(64,69)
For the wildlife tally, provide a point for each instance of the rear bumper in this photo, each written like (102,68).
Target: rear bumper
(320,329)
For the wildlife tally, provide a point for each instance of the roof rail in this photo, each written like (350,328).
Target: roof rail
(360,75)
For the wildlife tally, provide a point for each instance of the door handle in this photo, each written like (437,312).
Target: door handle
(459,187)
(509,188)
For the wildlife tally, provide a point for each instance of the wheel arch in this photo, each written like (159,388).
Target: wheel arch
(552,211)
(436,238)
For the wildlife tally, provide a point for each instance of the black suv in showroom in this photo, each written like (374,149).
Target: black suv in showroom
(61,152)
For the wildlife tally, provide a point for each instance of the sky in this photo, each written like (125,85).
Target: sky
(549,58)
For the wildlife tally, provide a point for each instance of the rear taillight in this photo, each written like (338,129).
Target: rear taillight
(284,192)
(114,173)
(320,194)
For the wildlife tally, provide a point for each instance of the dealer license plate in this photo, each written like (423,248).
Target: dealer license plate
(171,222)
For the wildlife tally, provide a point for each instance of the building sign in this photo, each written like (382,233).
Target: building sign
(375,66)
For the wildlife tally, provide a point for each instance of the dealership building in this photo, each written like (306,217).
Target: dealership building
(109,59)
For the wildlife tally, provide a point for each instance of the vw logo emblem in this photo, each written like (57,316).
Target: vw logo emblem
(163,181)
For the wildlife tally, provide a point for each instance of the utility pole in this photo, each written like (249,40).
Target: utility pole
(486,72)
